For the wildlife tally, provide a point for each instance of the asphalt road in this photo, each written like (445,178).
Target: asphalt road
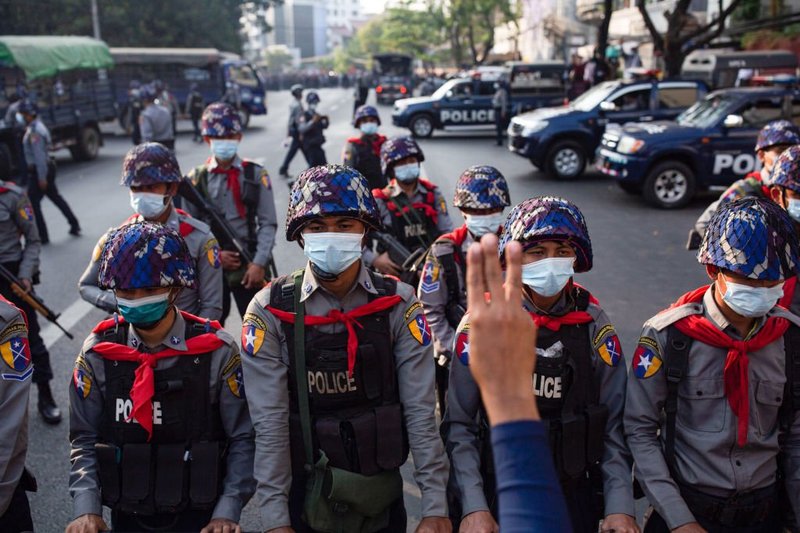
(640,265)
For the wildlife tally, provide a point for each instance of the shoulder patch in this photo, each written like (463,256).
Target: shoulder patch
(253,331)
(231,364)
(672,315)
(236,382)
(14,329)
(26,212)
(82,380)
(98,248)
(211,252)
(430,275)
(420,329)
(264,179)
(410,310)
(606,343)
(442,205)
(16,353)
(462,345)
(646,359)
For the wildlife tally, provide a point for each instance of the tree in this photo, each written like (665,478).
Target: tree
(277,59)
(602,32)
(684,34)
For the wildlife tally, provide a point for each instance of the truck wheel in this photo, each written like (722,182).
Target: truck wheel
(244,117)
(88,144)
(421,126)
(565,160)
(669,185)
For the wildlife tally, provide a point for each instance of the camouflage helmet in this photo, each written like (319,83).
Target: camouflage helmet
(777,132)
(786,171)
(147,91)
(149,163)
(365,111)
(481,187)
(330,190)
(220,120)
(296,89)
(548,218)
(752,237)
(145,255)
(312,97)
(398,148)
(27,107)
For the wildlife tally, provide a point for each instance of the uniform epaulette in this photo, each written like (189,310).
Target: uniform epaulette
(673,314)
(780,312)
(6,186)
(186,218)
(109,323)
(194,319)
(428,184)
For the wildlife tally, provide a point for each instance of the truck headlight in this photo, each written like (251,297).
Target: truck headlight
(533,127)
(629,145)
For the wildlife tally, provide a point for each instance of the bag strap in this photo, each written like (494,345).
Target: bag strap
(300,370)
(250,207)
(677,361)
(448,263)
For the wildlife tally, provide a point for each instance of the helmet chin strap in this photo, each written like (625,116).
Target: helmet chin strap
(323,275)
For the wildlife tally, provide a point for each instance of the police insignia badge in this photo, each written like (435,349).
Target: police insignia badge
(265,181)
(16,353)
(26,212)
(430,276)
(236,383)
(212,253)
(420,330)
(608,346)
(646,359)
(252,338)
(82,381)
(462,346)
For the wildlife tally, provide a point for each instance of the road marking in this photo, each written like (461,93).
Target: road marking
(68,318)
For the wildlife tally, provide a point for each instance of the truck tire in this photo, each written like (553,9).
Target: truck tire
(669,185)
(421,126)
(565,161)
(88,144)
(244,117)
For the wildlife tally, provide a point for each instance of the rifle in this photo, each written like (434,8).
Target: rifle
(410,262)
(220,226)
(31,299)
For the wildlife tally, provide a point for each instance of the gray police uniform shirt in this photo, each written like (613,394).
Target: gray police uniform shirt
(295,112)
(155,124)
(221,197)
(16,218)
(86,397)
(36,143)
(205,300)
(267,382)
(460,426)
(14,387)
(433,294)
(443,222)
(706,454)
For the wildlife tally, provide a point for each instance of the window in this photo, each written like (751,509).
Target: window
(757,114)
(462,90)
(676,97)
(633,100)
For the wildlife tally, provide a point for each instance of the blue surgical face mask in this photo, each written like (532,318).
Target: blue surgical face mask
(224,149)
(751,302)
(548,276)
(369,128)
(793,208)
(332,252)
(148,204)
(144,312)
(480,225)
(20,119)
(407,172)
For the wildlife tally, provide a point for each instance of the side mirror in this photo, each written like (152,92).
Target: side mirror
(608,106)
(733,121)
(449,95)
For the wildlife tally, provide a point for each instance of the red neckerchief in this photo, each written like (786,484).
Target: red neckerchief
(375,144)
(144,383)
(233,185)
(573,318)
(789,286)
(737,382)
(348,318)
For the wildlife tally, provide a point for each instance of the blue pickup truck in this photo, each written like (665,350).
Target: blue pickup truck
(710,144)
(561,140)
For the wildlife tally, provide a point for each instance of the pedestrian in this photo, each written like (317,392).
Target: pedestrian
(481,196)
(17,220)
(134,109)
(785,191)
(310,126)
(167,100)
(159,427)
(155,120)
(194,108)
(363,153)
(42,171)
(151,172)
(361,92)
(292,134)
(772,141)
(711,417)
(578,83)
(241,191)
(331,399)
(412,208)
(501,105)
(579,382)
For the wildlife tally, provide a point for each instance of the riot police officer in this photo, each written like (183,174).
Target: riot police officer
(155,118)
(295,111)
(310,126)
(151,172)
(17,220)
(579,381)
(481,196)
(348,392)
(159,426)
(772,140)
(711,413)
(411,208)
(785,191)
(363,153)
(241,191)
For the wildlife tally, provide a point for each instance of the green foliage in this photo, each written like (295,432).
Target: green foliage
(277,60)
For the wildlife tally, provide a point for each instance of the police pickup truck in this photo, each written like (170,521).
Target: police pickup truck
(710,144)
(560,140)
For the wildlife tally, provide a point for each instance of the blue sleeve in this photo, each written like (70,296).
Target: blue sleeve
(530,497)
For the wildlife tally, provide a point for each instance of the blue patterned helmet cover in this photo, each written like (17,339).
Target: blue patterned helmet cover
(752,237)
(777,132)
(312,97)
(481,187)
(148,91)
(548,218)
(145,255)
(365,111)
(398,148)
(330,190)
(786,171)
(220,120)
(149,163)
(28,107)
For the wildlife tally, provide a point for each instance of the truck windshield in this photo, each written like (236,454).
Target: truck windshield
(592,98)
(442,91)
(708,112)
(243,75)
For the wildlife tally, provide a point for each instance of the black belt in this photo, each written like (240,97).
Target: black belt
(739,510)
